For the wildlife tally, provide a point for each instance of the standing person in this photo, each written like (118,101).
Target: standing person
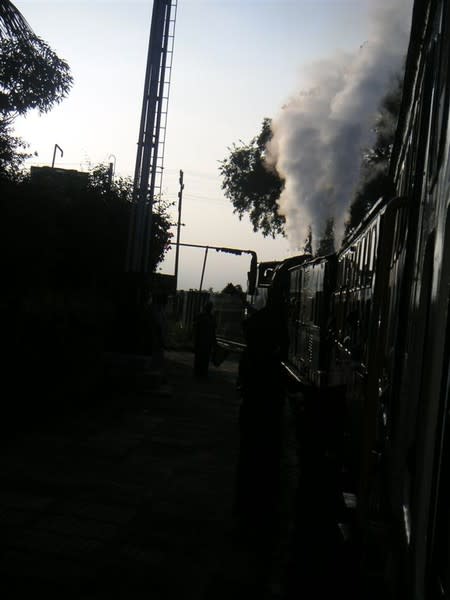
(262,393)
(204,340)
(159,330)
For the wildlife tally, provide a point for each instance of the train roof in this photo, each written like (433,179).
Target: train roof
(314,261)
(379,205)
(288,263)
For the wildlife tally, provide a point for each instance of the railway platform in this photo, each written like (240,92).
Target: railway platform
(135,501)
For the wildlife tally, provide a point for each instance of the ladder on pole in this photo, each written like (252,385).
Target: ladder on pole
(152,134)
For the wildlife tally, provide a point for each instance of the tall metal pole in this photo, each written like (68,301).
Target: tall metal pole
(149,153)
(177,251)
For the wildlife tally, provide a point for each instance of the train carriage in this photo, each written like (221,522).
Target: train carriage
(385,297)
(310,286)
(393,331)
(419,447)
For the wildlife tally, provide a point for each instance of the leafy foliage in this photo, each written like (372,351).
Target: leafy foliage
(66,231)
(12,153)
(251,186)
(327,244)
(31,76)
(374,178)
(12,23)
(233,290)
(121,190)
(67,299)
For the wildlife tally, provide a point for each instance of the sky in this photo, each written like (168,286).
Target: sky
(235,62)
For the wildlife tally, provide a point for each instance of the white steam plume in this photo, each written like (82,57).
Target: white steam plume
(320,134)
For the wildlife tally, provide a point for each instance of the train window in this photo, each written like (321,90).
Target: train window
(340,273)
(402,229)
(368,256)
(362,261)
(344,272)
(347,282)
(350,269)
(369,247)
(373,246)
(400,232)
(395,241)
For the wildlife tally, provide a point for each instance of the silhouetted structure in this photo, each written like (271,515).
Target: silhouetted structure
(150,152)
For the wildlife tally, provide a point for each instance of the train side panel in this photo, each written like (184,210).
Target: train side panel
(310,291)
(417,341)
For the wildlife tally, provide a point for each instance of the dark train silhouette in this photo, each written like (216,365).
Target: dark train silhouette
(371,323)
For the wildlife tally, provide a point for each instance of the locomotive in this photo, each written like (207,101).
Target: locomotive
(373,320)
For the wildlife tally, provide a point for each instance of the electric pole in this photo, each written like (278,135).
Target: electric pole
(177,251)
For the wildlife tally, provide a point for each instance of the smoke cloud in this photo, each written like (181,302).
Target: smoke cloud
(320,134)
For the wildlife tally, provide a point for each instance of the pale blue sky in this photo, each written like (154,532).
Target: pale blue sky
(235,62)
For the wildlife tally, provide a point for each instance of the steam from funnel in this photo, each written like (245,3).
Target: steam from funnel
(320,134)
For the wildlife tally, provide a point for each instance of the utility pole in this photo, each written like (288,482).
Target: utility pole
(203,269)
(177,251)
(54,154)
(111,170)
(110,176)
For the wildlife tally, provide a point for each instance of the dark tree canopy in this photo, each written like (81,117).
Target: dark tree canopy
(120,192)
(12,153)
(326,243)
(73,229)
(250,184)
(232,289)
(12,23)
(374,178)
(31,76)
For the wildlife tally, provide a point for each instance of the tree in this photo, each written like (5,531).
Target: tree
(12,23)
(12,153)
(374,180)
(60,230)
(31,76)
(232,289)
(120,191)
(326,243)
(251,185)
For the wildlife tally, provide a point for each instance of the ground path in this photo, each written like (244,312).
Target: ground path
(136,502)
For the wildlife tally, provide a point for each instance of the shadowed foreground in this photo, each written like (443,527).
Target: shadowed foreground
(136,501)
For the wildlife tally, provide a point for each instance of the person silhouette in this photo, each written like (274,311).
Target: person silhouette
(262,400)
(204,340)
